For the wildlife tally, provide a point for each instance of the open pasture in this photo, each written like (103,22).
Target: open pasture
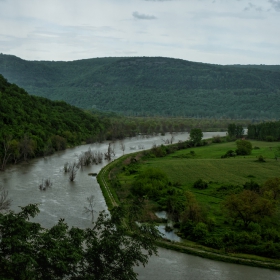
(187,166)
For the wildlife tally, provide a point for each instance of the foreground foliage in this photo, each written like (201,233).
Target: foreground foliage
(28,251)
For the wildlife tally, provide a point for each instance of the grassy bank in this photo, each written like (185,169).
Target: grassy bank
(184,167)
(212,254)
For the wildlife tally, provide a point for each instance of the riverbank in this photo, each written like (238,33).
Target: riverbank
(192,248)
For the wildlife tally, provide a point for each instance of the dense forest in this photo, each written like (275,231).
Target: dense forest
(143,86)
(35,126)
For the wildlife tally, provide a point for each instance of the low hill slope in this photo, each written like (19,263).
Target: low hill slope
(38,126)
(152,86)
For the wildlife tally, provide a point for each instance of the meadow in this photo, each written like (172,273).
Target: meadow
(224,177)
(188,165)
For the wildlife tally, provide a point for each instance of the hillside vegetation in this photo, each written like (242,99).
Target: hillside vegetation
(144,86)
(35,126)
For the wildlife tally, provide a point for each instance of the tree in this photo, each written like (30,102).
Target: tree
(110,152)
(150,182)
(239,131)
(27,147)
(231,130)
(244,147)
(28,251)
(193,210)
(175,205)
(191,216)
(15,150)
(5,202)
(72,169)
(200,231)
(58,142)
(6,151)
(277,153)
(90,208)
(235,131)
(271,188)
(200,184)
(122,146)
(252,186)
(248,207)
(196,136)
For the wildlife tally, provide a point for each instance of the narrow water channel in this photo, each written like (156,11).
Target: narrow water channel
(67,200)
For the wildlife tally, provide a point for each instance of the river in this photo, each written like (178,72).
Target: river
(67,200)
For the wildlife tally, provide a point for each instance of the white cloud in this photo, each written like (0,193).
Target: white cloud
(219,31)
(143,16)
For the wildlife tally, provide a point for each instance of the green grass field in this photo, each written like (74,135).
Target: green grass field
(224,176)
(208,165)
(187,166)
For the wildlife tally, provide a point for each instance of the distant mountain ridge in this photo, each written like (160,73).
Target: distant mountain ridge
(148,86)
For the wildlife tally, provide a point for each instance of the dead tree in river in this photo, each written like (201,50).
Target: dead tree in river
(110,152)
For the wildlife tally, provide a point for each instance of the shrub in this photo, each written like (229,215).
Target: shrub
(211,222)
(230,238)
(249,238)
(149,182)
(255,227)
(229,153)
(200,184)
(270,138)
(159,151)
(271,234)
(200,231)
(192,153)
(213,242)
(260,158)
(252,186)
(186,228)
(244,147)
(270,250)
(183,145)
(217,139)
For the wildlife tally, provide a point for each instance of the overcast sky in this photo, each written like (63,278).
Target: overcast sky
(211,31)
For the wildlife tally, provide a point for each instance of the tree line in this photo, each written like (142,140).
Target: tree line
(268,131)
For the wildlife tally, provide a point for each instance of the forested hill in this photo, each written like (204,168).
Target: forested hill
(33,126)
(153,86)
